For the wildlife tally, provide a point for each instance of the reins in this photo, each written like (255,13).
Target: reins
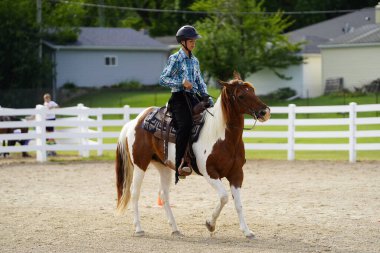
(250,128)
(233,97)
(189,104)
(254,124)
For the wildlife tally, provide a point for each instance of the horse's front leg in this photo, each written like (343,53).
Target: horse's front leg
(239,209)
(223,199)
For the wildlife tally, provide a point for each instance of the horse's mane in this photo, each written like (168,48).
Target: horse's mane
(225,103)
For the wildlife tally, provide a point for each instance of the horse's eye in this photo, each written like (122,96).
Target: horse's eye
(241,96)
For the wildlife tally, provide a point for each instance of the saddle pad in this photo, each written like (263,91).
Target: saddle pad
(155,124)
(159,121)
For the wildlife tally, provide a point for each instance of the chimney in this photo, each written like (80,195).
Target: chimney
(377,13)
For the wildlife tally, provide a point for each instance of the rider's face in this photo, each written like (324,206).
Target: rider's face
(190,44)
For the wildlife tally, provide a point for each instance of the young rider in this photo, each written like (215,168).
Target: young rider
(182,74)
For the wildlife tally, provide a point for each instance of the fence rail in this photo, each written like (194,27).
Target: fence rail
(82,129)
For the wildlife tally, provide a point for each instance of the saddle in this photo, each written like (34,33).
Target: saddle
(160,123)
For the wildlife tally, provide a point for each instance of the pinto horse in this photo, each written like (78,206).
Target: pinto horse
(219,154)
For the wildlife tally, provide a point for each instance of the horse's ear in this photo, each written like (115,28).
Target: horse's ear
(222,83)
(237,75)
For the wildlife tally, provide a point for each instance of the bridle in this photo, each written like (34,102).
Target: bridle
(233,96)
(253,113)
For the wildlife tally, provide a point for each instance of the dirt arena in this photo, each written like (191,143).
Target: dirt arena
(290,206)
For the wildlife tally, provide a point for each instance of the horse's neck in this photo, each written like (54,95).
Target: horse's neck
(236,122)
(217,126)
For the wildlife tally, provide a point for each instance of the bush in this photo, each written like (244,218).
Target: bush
(282,93)
(373,87)
(128,85)
(69,86)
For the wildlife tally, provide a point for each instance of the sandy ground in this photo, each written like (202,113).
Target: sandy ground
(290,206)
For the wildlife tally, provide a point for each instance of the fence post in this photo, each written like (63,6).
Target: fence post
(41,132)
(1,139)
(352,131)
(291,130)
(127,114)
(83,116)
(99,118)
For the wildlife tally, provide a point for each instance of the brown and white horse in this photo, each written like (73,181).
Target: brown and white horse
(219,152)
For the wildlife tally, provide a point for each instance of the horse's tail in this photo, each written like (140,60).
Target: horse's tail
(124,173)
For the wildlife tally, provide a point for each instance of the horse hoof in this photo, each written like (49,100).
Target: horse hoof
(177,234)
(139,233)
(250,236)
(209,227)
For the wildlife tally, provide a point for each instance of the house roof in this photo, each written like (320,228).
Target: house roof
(319,33)
(368,34)
(112,38)
(170,41)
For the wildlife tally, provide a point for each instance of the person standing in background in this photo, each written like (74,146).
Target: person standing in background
(50,104)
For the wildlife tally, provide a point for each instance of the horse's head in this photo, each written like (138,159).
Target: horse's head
(239,96)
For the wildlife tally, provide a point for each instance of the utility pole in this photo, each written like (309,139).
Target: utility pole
(39,22)
(101,13)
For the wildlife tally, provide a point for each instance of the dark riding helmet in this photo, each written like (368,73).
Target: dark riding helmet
(187,32)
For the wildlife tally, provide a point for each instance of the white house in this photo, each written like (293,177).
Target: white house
(105,56)
(354,57)
(307,79)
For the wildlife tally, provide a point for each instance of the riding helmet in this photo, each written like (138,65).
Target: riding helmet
(187,32)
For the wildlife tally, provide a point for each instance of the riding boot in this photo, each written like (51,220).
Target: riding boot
(184,170)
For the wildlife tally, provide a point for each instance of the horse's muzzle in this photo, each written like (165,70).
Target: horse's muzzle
(263,115)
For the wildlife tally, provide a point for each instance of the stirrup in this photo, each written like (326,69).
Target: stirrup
(184,170)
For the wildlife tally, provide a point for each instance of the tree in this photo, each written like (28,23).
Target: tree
(61,21)
(237,36)
(158,23)
(19,41)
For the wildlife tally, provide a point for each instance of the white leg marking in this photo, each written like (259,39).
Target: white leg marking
(223,199)
(239,209)
(165,180)
(138,176)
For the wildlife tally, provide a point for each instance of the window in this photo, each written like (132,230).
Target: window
(110,60)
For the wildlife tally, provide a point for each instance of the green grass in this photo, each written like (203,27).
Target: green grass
(333,99)
(119,98)
(159,97)
(312,155)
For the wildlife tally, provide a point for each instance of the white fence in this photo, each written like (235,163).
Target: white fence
(82,129)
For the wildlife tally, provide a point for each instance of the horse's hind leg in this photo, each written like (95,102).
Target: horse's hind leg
(138,176)
(165,179)
(223,199)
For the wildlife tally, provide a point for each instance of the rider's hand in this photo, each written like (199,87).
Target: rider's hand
(210,102)
(187,85)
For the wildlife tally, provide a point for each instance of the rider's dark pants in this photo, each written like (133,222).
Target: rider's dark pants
(183,121)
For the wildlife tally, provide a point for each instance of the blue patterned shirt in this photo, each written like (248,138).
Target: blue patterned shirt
(180,67)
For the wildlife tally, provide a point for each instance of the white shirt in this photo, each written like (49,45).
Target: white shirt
(50,105)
